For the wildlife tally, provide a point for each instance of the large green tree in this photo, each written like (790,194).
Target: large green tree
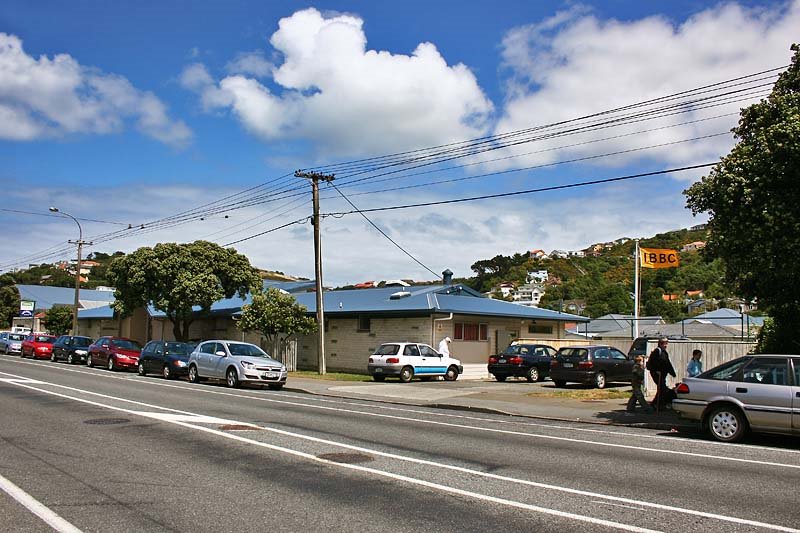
(9,300)
(58,320)
(277,316)
(182,280)
(753,198)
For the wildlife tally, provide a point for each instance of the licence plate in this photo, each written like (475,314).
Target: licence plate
(568,365)
(501,360)
(379,371)
(270,375)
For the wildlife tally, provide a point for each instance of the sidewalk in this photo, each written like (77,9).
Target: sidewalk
(488,396)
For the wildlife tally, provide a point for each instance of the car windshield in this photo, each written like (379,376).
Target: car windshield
(579,353)
(179,348)
(127,344)
(16,337)
(44,338)
(517,349)
(81,341)
(246,350)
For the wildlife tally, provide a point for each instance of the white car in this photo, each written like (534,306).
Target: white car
(11,342)
(236,363)
(408,359)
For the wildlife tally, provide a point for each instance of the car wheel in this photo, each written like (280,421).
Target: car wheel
(89,361)
(111,365)
(451,374)
(501,378)
(53,356)
(532,375)
(193,376)
(275,386)
(232,378)
(378,377)
(406,374)
(560,383)
(166,373)
(70,358)
(727,424)
(140,369)
(600,380)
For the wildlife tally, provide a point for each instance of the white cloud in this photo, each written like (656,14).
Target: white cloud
(53,97)
(575,64)
(252,63)
(346,99)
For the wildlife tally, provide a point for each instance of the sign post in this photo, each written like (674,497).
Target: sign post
(26,310)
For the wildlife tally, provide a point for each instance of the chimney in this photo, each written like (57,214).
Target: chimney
(447,277)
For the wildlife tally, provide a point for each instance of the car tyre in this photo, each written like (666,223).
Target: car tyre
(194,377)
(275,386)
(378,377)
(533,374)
(89,361)
(406,374)
(232,378)
(140,369)
(726,423)
(501,378)
(111,366)
(600,380)
(560,383)
(71,358)
(165,371)
(451,374)
(53,357)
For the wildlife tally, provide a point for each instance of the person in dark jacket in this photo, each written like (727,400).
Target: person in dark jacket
(637,396)
(660,366)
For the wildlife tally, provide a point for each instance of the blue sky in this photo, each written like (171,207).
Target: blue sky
(128,112)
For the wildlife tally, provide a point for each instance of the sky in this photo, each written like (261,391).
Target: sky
(124,114)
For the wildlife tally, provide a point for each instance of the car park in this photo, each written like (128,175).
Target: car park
(596,365)
(168,358)
(405,360)
(115,353)
(37,346)
(11,343)
(71,348)
(759,393)
(235,363)
(524,360)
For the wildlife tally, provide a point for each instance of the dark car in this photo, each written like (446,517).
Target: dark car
(591,365)
(639,345)
(114,353)
(170,359)
(71,348)
(529,361)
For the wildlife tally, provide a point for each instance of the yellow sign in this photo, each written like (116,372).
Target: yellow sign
(658,258)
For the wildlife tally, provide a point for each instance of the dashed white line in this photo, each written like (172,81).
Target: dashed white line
(36,507)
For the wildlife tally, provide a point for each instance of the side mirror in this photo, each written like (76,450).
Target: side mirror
(221,353)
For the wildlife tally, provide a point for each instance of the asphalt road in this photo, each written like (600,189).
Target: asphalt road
(99,451)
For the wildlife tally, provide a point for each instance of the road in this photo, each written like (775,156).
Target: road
(90,450)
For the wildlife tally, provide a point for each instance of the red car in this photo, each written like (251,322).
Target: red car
(38,346)
(115,353)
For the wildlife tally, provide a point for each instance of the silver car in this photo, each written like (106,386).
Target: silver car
(236,363)
(756,392)
(11,342)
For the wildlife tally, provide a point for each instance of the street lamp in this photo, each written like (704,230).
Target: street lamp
(80,242)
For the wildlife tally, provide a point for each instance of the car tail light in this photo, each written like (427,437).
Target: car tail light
(682,388)
(394,360)
(585,364)
(515,360)
(492,360)
(370,360)
(554,363)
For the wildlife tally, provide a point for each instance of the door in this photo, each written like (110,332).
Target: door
(431,361)
(219,363)
(765,393)
(622,366)
(157,360)
(796,396)
(411,356)
(103,351)
(204,358)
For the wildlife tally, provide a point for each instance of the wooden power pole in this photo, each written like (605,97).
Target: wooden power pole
(315,178)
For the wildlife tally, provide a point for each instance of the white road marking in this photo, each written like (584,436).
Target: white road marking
(178,421)
(37,508)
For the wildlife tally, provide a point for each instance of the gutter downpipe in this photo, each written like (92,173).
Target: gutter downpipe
(433,329)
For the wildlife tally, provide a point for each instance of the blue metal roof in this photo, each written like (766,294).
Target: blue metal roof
(104,311)
(46,297)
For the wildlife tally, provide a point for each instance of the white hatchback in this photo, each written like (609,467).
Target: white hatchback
(408,359)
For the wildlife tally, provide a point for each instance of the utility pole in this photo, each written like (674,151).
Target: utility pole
(80,242)
(315,178)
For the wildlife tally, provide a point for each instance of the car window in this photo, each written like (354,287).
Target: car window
(524,350)
(127,344)
(796,364)
(387,349)
(427,351)
(16,336)
(45,339)
(766,371)
(208,347)
(81,341)
(178,348)
(600,353)
(245,350)
(411,349)
(551,351)
(616,354)
(159,349)
(63,339)
(579,353)
(726,371)
(514,349)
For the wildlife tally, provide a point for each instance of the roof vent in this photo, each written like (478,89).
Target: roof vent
(399,294)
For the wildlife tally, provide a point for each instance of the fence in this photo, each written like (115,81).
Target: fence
(285,352)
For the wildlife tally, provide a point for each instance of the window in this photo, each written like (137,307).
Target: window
(427,351)
(412,350)
(470,332)
(209,347)
(387,349)
(727,371)
(766,372)
(796,363)
(541,330)
(363,323)
(616,354)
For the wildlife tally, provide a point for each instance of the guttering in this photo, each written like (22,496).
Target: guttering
(433,329)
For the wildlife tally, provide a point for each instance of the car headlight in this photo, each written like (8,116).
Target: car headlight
(248,365)
(180,363)
(80,352)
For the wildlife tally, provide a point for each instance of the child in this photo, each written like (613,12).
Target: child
(636,383)
(695,366)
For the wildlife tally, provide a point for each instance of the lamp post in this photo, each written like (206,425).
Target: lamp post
(80,242)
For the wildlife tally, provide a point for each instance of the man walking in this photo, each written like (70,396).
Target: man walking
(659,366)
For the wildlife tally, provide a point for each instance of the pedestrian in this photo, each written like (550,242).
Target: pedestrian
(637,395)
(444,347)
(695,366)
(660,366)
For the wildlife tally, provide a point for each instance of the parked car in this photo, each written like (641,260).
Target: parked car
(71,348)
(170,359)
(11,342)
(37,346)
(639,344)
(114,353)
(531,361)
(408,359)
(758,393)
(591,365)
(236,363)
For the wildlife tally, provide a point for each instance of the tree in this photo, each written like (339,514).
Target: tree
(277,316)
(58,320)
(180,278)
(753,199)
(9,300)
